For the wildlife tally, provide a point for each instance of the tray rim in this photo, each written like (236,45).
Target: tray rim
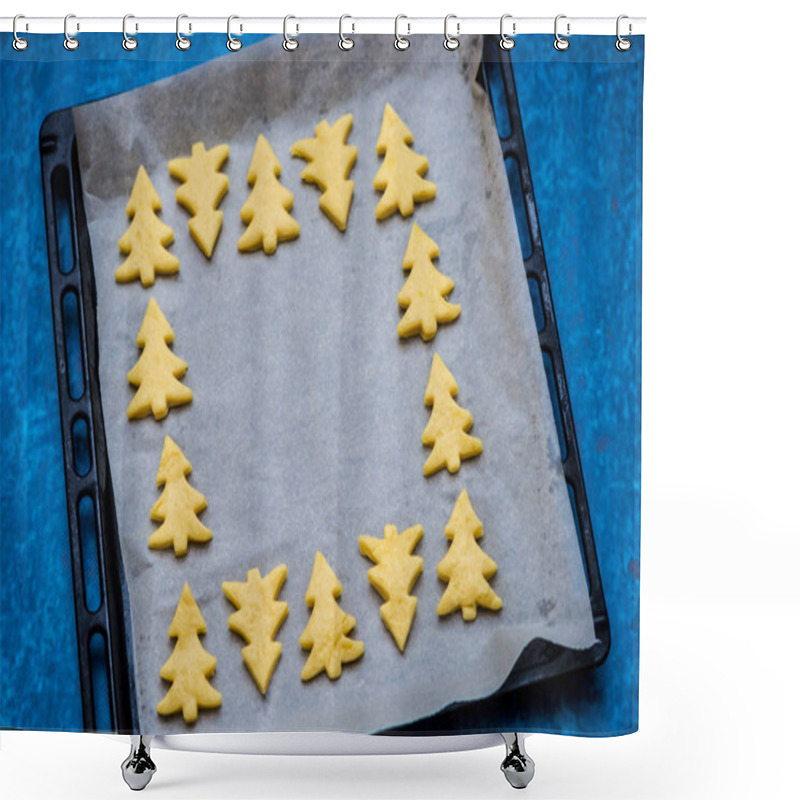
(540,660)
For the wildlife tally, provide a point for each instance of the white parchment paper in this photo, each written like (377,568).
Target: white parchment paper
(304,432)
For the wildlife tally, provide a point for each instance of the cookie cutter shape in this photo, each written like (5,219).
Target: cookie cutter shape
(395,572)
(178,506)
(423,294)
(465,567)
(201,191)
(147,237)
(400,175)
(330,161)
(158,370)
(325,635)
(447,427)
(266,210)
(190,665)
(257,620)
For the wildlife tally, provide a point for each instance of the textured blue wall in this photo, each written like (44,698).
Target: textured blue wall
(582,118)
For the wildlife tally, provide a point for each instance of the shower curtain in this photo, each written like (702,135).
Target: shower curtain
(320,385)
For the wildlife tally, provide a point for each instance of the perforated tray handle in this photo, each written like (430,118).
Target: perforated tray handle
(86,471)
(514,146)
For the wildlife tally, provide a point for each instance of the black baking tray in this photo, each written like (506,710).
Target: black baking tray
(105,651)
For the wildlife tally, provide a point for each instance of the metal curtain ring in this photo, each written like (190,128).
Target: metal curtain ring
(451,42)
(181,42)
(128,42)
(506,42)
(289,43)
(345,42)
(18,43)
(70,42)
(622,44)
(233,44)
(561,43)
(400,42)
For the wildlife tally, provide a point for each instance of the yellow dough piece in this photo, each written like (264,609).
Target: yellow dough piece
(325,635)
(178,506)
(157,371)
(258,619)
(394,576)
(466,567)
(424,292)
(400,176)
(447,427)
(330,161)
(202,190)
(190,665)
(266,210)
(147,237)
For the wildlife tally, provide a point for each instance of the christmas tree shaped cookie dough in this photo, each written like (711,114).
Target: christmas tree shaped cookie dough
(325,635)
(394,576)
(466,567)
(158,369)
(330,161)
(203,187)
(400,176)
(425,289)
(190,665)
(266,210)
(147,237)
(178,506)
(447,427)
(260,614)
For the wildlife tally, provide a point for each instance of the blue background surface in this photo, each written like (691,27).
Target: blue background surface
(582,114)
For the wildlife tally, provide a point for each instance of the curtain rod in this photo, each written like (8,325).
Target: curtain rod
(512,26)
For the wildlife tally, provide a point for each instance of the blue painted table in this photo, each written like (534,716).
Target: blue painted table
(582,115)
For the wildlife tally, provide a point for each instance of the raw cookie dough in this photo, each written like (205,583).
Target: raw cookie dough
(178,506)
(394,576)
(447,427)
(266,210)
(330,161)
(400,176)
(190,665)
(260,614)
(202,190)
(325,635)
(466,567)
(425,289)
(157,371)
(147,237)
